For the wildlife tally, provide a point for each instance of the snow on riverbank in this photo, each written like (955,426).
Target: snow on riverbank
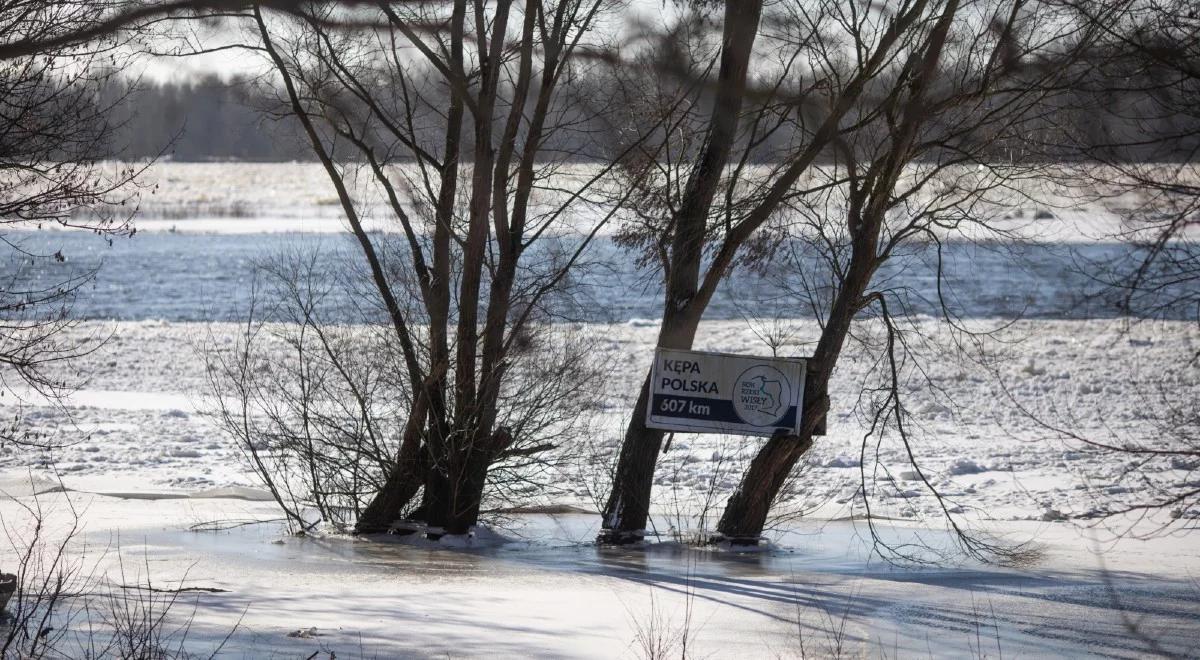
(137,424)
(248,198)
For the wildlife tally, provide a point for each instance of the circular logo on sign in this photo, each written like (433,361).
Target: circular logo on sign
(761,395)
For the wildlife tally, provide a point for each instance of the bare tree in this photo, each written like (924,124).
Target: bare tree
(481,211)
(879,127)
(934,156)
(55,132)
(1135,134)
(313,391)
(824,59)
(107,19)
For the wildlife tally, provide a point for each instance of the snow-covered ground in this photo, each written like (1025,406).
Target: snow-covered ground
(141,462)
(137,424)
(251,198)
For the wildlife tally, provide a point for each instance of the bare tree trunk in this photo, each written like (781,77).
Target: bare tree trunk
(403,483)
(628,506)
(471,480)
(746,512)
(416,461)
(406,476)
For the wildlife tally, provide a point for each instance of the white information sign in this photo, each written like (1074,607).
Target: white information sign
(701,392)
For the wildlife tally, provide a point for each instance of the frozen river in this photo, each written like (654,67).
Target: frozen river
(820,595)
(208,277)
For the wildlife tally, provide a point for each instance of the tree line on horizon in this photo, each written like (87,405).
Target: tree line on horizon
(209,118)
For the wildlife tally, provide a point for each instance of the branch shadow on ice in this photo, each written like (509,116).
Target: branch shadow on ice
(1043,612)
(1108,613)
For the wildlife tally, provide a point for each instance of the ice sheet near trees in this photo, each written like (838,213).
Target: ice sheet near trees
(559,596)
(142,463)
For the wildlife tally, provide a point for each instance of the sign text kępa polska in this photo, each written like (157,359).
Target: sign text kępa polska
(719,393)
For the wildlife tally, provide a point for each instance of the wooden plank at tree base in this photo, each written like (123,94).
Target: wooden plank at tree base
(700,392)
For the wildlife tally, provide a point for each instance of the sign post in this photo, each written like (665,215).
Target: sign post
(698,392)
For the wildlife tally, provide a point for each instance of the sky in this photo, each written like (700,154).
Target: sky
(235,62)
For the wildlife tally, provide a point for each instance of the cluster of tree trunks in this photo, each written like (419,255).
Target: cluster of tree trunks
(907,96)
(508,100)
(906,118)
